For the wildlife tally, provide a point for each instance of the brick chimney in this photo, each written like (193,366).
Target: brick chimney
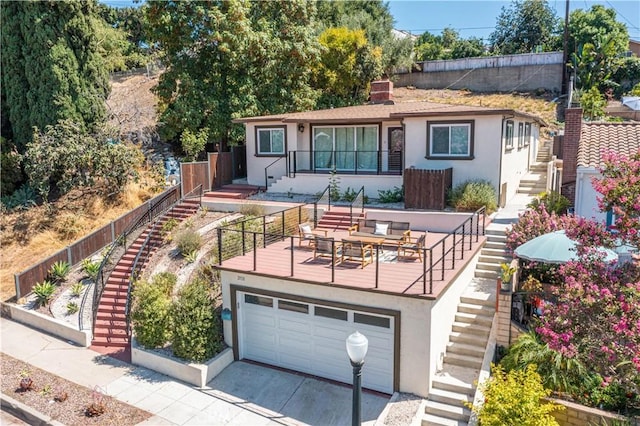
(572,133)
(381,92)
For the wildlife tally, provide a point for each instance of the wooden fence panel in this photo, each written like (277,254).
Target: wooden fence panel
(427,189)
(90,244)
(27,279)
(220,168)
(194,174)
(123,222)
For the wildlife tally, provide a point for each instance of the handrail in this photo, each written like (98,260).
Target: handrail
(241,239)
(358,202)
(192,194)
(135,271)
(266,176)
(325,197)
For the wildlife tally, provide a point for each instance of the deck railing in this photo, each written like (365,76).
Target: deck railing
(345,162)
(251,235)
(357,204)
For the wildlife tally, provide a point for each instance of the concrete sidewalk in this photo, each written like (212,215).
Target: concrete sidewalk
(243,394)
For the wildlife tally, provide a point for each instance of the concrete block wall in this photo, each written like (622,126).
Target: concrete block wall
(579,415)
(504,318)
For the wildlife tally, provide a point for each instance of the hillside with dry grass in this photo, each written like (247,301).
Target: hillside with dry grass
(30,236)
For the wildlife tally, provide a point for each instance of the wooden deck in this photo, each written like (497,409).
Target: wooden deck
(387,275)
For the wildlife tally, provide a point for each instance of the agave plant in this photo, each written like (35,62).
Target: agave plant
(44,291)
(59,271)
(91,268)
(76,289)
(72,308)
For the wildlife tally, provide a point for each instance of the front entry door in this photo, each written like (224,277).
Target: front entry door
(396,143)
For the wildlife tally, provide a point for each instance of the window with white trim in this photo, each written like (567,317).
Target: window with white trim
(270,141)
(508,135)
(527,134)
(345,148)
(520,135)
(450,139)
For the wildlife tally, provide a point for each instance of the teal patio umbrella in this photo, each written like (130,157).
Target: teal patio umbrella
(555,247)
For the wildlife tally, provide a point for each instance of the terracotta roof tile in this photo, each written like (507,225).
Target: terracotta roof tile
(378,112)
(623,138)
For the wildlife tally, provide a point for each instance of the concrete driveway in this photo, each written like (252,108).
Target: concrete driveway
(282,397)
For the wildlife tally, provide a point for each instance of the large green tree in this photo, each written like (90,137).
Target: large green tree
(231,59)
(526,26)
(448,45)
(50,67)
(596,41)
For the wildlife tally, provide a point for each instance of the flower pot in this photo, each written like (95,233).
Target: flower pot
(504,285)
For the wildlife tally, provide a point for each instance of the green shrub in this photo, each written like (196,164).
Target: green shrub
(514,398)
(44,291)
(349,195)
(558,373)
(150,315)
(76,289)
(394,195)
(191,257)
(553,202)
(188,241)
(472,195)
(253,210)
(59,271)
(23,198)
(169,226)
(195,324)
(72,308)
(166,281)
(91,268)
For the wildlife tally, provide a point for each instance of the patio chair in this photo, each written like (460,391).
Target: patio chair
(308,234)
(357,251)
(327,247)
(412,248)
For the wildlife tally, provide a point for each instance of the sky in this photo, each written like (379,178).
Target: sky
(476,18)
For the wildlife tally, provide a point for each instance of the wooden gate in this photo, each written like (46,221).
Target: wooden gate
(427,189)
(220,169)
(194,174)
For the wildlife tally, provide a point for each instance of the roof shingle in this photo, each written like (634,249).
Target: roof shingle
(622,138)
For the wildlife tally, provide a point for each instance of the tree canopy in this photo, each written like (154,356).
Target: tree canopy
(231,59)
(448,45)
(526,26)
(51,69)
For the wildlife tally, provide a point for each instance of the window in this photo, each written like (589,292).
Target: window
(258,300)
(293,306)
(520,135)
(371,320)
(450,139)
(527,134)
(346,148)
(338,314)
(270,140)
(508,135)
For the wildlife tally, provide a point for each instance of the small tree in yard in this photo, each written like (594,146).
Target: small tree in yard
(195,324)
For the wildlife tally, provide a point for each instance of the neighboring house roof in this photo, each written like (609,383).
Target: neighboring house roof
(622,138)
(378,112)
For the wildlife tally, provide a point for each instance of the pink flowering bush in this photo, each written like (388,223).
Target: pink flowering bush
(595,318)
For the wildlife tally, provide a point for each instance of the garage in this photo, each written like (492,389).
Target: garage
(310,337)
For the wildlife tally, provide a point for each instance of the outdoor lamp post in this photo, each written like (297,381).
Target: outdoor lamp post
(357,346)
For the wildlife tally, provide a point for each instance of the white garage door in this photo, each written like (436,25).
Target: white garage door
(311,338)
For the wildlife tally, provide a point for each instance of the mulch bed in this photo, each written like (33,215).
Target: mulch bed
(49,390)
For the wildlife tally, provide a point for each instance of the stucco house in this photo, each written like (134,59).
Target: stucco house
(371,145)
(582,148)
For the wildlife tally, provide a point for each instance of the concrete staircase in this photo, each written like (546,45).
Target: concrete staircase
(339,218)
(535,181)
(110,334)
(492,254)
(455,383)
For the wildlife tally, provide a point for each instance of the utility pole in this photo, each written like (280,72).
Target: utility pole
(565,50)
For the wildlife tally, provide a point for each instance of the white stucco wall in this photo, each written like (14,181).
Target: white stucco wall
(257,164)
(515,162)
(309,183)
(586,203)
(421,220)
(414,319)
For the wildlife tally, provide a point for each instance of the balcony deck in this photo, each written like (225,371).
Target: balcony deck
(285,259)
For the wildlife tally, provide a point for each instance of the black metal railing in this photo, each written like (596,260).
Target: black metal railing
(345,162)
(323,199)
(266,171)
(357,204)
(138,263)
(441,256)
